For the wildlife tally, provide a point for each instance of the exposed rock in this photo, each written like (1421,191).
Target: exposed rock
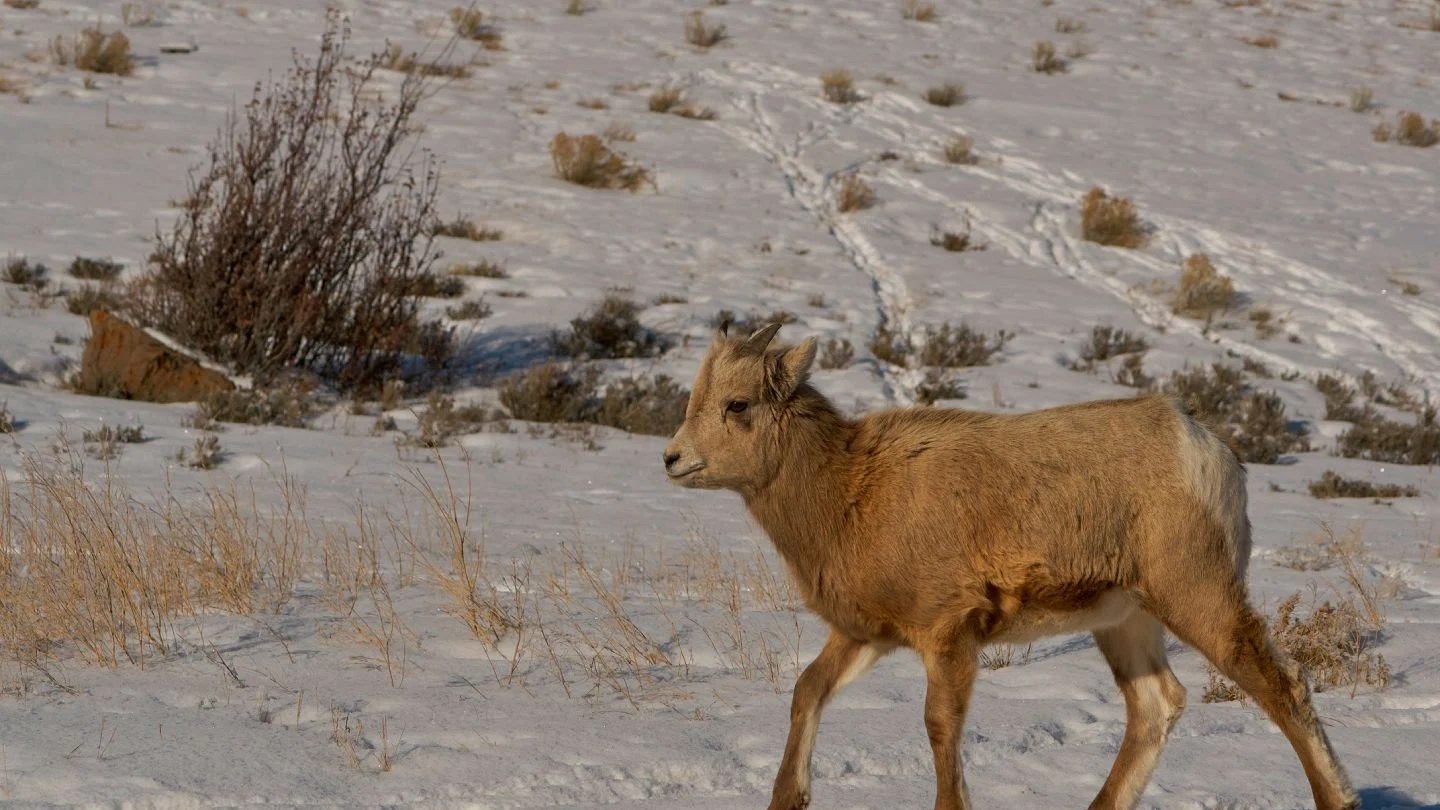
(122,361)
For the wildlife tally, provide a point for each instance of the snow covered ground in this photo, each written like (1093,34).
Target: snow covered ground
(1163,102)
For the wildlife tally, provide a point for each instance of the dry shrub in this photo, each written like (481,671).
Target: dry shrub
(664,99)
(430,285)
(95,51)
(957,150)
(1339,399)
(1334,644)
(576,8)
(946,95)
(463,228)
(619,132)
(1263,41)
(22,4)
(442,420)
(87,298)
(1069,25)
(700,33)
(1252,423)
(97,574)
(853,194)
(956,241)
(1411,130)
(587,161)
(25,273)
(474,310)
(1132,372)
(1111,221)
(402,61)
(470,24)
(549,393)
(286,406)
(1362,99)
(891,346)
(298,244)
(696,112)
(485,268)
(1377,438)
(1203,290)
(610,329)
(205,454)
(95,269)
(1333,485)
(918,11)
(839,86)
(959,346)
(938,384)
(836,353)
(1043,58)
(1107,342)
(654,406)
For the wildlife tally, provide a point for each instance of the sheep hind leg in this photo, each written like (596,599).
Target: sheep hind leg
(1219,622)
(1154,699)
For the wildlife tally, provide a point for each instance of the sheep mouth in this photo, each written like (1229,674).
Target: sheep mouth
(687,472)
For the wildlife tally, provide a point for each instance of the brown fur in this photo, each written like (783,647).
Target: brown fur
(943,530)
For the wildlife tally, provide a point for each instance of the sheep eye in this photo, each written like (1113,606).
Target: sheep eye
(737,406)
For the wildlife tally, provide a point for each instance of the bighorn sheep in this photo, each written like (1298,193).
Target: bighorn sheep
(945,530)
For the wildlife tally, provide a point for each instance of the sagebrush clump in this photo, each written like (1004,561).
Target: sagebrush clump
(1334,485)
(587,161)
(298,246)
(1203,291)
(1253,423)
(1105,343)
(611,329)
(95,51)
(1111,221)
(838,86)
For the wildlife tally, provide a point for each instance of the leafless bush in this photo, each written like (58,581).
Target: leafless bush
(955,241)
(87,298)
(1362,99)
(1379,439)
(95,269)
(1203,290)
(402,61)
(938,384)
(700,33)
(7,420)
(549,393)
(1335,645)
(957,150)
(839,86)
(473,310)
(1044,60)
(587,161)
(95,51)
(287,406)
(610,329)
(891,347)
(1252,423)
(959,346)
(464,228)
(298,244)
(1334,485)
(205,454)
(664,99)
(1111,221)
(946,95)
(1105,343)
(23,272)
(470,24)
(22,4)
(485,268)
(654,406)
(1069,25)
(836,353)
(1132,372)
(1262,41)
(853,194)
(918,11)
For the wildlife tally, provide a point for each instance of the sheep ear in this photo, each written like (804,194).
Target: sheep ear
(760,339)
(788,369)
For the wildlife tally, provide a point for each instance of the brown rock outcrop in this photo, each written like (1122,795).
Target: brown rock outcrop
(122,361)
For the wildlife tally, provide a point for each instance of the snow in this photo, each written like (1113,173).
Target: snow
(1294,200)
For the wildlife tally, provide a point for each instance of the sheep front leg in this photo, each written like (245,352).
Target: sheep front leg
(842,660)
(949,675)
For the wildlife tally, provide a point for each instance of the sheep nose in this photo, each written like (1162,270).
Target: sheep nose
(670,459)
